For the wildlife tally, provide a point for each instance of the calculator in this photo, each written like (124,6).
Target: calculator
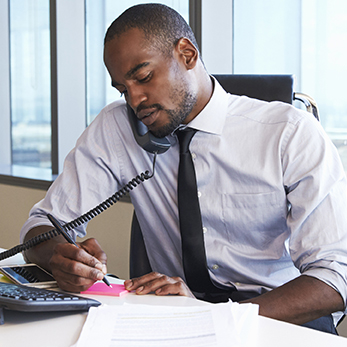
(30,299)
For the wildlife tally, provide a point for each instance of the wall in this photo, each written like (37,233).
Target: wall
(112,228)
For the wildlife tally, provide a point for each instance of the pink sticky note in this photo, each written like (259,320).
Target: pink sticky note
(100,288)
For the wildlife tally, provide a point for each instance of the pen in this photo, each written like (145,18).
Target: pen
(68,238)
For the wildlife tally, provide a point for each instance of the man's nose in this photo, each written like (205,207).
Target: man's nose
(135,96)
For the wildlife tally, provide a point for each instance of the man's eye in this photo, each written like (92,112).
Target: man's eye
(146,79)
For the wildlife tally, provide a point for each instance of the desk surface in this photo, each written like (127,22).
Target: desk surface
(54,329)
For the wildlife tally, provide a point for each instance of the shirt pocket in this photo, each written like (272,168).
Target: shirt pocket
(256,221)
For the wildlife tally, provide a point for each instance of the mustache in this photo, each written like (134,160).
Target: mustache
(143,107)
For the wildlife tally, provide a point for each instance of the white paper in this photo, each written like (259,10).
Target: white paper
(145,325)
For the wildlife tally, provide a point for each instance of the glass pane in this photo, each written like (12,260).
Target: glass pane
(324,72)
(267,37)
(30,82)
(301,37)
(99,15)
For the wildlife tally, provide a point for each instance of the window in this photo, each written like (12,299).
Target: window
(30,82)
(54,82)
(301,37)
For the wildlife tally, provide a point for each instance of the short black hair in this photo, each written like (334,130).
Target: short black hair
(162,26)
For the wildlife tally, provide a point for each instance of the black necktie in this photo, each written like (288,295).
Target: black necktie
(193,247)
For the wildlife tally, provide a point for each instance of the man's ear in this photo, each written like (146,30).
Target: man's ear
(187,52)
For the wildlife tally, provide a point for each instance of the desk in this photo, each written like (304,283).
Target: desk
(62,329)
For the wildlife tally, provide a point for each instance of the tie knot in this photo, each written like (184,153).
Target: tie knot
(184,138)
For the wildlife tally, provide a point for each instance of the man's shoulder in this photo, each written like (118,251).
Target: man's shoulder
(118,106)
(264,111)
(113,113)
(112,118)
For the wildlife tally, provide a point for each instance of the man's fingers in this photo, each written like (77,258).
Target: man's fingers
(76,254)
(159,284)
(80,265)
(70,282)
(74,268)
(138,282)
(176,288)
(92,247)
(85,253)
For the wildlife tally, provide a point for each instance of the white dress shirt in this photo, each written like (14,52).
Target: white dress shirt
(271,187)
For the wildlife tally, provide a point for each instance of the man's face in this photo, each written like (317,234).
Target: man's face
(155,86)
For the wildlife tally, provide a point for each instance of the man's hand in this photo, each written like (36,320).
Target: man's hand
(159,284)
(74,268)
(77,268)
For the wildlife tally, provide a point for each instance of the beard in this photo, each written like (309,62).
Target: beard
(178,115)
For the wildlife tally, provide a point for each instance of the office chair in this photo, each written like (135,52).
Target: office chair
(267,88)
(263,87)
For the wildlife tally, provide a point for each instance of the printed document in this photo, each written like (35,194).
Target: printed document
(225,324)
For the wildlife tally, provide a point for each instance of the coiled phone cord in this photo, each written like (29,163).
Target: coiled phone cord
(84,218)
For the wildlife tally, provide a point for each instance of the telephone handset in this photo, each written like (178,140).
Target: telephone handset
(148,142)
(145,138)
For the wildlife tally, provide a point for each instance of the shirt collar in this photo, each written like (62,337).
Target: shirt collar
(212,117)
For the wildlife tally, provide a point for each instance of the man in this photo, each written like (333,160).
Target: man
(272,188)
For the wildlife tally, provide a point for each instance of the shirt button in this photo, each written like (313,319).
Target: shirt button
(193,155)
(215,267)
(237,283)
(199,194)
(204,230)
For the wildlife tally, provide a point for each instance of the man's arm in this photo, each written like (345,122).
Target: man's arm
(74,268)
(298,301)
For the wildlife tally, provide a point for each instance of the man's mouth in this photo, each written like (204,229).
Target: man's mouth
(148,116)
